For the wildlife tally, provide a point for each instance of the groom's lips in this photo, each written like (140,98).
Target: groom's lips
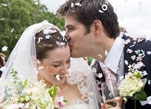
(70,45)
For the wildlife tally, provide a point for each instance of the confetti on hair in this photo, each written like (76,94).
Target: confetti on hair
(104,7)
(39,39)
(49,30)
(100,11)
(58,77)
(78,4)
(60,43)
(52,30)
(72,5)
(48,36)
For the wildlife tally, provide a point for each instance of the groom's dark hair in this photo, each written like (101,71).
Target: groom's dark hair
(86,11)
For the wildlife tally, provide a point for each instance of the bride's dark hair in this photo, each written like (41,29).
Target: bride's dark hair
(46,42)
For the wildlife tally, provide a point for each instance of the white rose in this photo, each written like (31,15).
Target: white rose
(130,85)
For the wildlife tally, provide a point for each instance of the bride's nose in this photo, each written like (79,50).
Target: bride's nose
(65,69)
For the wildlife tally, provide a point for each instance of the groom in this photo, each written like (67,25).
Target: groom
(93,31)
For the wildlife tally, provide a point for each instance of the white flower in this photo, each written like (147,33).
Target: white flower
(130,85)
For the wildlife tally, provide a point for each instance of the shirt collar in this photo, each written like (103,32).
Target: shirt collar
(114,55)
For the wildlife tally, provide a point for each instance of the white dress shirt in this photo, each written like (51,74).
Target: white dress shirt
(115,57)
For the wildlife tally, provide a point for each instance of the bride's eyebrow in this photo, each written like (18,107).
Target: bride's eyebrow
(56,62)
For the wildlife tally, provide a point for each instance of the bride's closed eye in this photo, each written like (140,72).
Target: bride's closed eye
(56,65)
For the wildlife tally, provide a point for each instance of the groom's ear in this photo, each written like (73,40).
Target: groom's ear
(97,27)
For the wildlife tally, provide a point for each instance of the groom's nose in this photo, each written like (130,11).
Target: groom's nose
(67,37)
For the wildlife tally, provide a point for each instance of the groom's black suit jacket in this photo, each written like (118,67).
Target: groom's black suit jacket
(144,46)
(135,45)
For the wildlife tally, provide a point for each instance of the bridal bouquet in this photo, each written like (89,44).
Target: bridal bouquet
(133,87)
(18,95)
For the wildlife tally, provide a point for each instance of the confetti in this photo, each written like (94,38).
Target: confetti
(48,36)
(72,5)
(2,19)
(12,30)
(4,4)
(100,11)
(58,77)
(149,52)
(49,30)
(78,4)
(4,48)
(100,75)
(100,55)
(106,52)
(139,58)
(60,43)
(39,39)
(127,41)
(129,50)
(133,57)
(148,38)
(140,40)
(149,82)
(40,68)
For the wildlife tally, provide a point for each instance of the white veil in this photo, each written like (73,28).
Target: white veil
(23,57)
(81,67)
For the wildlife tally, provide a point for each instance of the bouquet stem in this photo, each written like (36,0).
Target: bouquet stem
(135,104)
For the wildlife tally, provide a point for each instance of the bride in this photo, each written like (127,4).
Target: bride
(42,53)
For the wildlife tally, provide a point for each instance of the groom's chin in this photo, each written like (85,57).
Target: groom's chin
(75,55)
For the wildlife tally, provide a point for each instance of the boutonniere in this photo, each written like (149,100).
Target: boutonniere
(132,87)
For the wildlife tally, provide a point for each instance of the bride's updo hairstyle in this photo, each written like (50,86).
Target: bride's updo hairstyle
(47,40)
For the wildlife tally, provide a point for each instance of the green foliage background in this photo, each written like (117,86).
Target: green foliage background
(18,15)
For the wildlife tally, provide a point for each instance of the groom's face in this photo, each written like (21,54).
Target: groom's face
(78,37)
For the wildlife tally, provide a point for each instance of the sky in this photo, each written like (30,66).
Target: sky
(134,15)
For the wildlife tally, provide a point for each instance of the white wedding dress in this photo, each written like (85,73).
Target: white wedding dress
(23,60)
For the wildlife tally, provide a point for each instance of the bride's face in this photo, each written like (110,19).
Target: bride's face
(56,63)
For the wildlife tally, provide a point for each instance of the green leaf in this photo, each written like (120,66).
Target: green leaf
(138,75)
(141,96)
(65,101)
(53,92)
(25,82)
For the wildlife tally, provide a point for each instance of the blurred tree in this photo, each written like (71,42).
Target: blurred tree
(16,15)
